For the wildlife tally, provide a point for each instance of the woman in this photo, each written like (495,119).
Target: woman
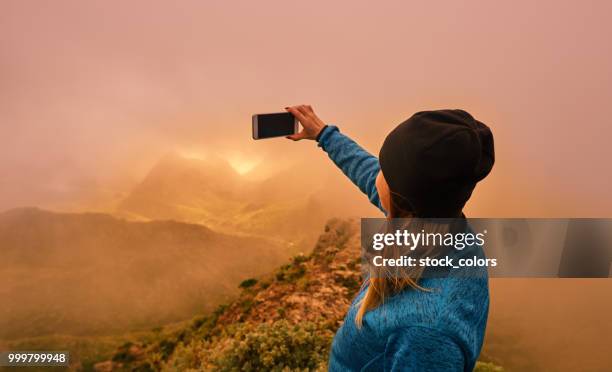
(428,166)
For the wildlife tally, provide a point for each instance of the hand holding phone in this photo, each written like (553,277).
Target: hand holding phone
(310,122)
(285,124)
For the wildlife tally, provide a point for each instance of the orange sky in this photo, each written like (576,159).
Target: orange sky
(93,93)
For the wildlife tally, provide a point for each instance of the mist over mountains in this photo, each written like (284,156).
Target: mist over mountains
(289,204)
(94,274)
(178,244)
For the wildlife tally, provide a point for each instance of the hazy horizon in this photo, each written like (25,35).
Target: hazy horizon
(93,94)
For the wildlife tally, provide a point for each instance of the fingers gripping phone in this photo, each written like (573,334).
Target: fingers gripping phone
(278,124)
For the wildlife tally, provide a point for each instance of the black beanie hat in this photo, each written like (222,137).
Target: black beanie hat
(434,159)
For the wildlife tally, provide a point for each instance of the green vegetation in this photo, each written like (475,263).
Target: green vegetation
(279,346)
(291,272)
(349,282)
(248,283)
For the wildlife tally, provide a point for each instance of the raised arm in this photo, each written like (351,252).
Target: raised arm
(357,164)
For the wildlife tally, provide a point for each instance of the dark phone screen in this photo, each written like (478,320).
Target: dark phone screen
(275,125)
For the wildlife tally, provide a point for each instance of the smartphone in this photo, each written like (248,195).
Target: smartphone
(278,124)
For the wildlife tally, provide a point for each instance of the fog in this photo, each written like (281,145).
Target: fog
(93,93)
(550,324)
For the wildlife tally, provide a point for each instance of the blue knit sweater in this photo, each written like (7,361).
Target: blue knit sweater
(438,330)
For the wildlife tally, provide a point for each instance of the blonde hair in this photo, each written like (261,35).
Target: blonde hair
(378,289)
(382,283)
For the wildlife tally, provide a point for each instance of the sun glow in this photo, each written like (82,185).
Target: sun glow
(242,165)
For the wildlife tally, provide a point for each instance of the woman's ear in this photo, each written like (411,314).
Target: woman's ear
(384,194)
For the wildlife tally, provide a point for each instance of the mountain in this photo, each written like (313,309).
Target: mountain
(288,205)
(194,190)
(284,320)
(84,274)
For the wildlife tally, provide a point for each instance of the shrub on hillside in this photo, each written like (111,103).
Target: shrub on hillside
(248,283)
(277,346)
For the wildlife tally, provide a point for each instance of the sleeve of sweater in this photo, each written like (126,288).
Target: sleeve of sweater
(357,164)
(418,349)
